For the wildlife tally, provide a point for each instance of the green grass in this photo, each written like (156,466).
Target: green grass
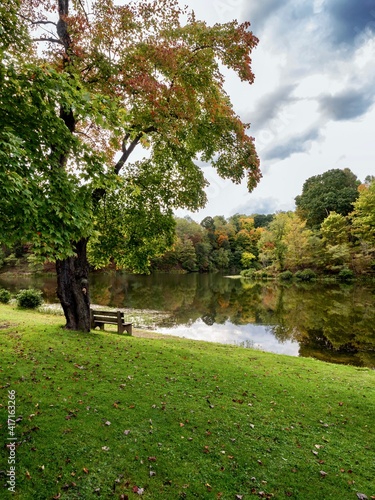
(187,419)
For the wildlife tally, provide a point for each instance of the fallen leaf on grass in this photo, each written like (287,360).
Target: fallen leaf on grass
(126,432)
(361,496)
(137,490)
(105,448)
(152,459)
(85,470)
(322,473)
(67,486)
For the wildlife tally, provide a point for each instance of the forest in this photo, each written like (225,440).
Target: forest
(331,232)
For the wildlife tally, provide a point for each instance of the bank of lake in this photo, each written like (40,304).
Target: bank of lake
(106,415)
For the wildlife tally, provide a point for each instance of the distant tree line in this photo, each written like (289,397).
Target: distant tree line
(331,231)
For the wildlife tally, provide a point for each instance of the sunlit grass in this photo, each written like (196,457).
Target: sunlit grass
(106,415)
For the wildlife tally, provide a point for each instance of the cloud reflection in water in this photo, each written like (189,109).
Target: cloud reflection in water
(256,336)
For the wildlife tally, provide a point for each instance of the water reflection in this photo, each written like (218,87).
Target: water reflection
(251,335)
(330,322)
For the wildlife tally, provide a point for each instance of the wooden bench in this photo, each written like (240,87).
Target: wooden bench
(100,318)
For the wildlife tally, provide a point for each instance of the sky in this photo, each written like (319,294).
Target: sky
(311,107)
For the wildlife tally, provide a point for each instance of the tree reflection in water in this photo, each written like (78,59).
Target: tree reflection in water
(331,322)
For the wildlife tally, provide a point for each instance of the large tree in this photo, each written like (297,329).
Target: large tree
(80,92)
(333,191)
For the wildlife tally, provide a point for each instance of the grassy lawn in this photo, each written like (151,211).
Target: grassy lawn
(101,415)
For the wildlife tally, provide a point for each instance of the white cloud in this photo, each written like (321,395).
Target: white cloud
(311,105)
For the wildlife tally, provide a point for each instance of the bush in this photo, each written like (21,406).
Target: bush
(29,299)
(2,257)
(11,260)
(305,275)
(5,296)
(346,275)
(262,275)
(286,276)
(248,273)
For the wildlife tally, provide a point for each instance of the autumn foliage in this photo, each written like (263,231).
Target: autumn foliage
(94,82)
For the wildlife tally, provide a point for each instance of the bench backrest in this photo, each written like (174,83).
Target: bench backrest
(110,317)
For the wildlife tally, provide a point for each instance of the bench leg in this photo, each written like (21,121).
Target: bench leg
(129,329)
(120,326)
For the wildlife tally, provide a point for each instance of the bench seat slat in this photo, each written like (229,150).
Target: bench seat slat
(103,316)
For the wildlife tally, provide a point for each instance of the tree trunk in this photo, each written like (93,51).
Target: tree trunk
(73,288)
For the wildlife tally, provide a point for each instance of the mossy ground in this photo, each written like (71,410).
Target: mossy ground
(101,415)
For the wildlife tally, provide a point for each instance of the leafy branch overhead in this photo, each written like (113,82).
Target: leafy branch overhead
(84,90)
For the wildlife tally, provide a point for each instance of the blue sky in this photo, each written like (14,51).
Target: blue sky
(311,107)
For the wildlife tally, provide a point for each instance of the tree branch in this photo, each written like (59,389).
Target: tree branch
(53,40)
(43,22)
(127,151)
(35,22)
(84,11)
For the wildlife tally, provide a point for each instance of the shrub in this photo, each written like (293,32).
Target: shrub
(286,276)
(2,257)
(247,273)
(305,275)
(5,296)
(346,275)
(11,260)
(29,299)
(262,275)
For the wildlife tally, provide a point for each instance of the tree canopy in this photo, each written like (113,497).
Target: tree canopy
(143,74)
(80,91)
(333,191)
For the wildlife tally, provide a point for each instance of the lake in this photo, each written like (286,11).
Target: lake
(330,322)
